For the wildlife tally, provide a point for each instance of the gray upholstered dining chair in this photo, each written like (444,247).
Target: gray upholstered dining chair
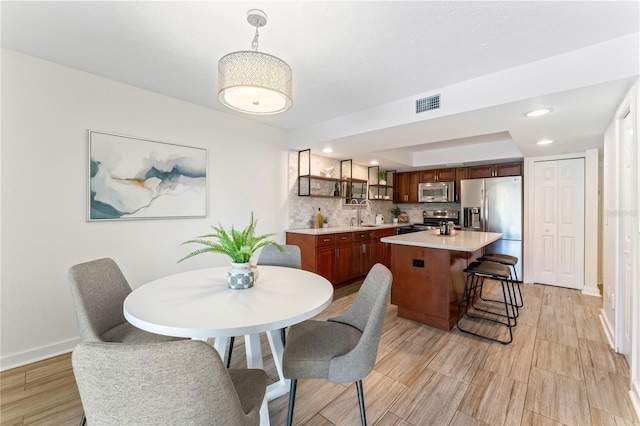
(98,289)
(171,383)
(342,349)
(271,256)
(291,258)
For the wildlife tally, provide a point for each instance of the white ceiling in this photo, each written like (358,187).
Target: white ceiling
(359,66)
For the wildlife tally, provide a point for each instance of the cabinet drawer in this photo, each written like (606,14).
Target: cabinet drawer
(344,238)
(325,240)
(361,236)
(381,233)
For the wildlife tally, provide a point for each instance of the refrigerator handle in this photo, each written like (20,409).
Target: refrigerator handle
(485,211)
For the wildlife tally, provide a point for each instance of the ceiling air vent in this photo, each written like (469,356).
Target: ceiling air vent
(427,104)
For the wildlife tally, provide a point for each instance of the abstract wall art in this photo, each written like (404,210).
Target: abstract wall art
(135,178)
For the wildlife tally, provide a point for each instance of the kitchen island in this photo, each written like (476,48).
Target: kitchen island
(428,277)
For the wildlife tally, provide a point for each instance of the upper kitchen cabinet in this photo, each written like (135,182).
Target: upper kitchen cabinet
(438,175)
(406,188)
(494,170)
(461,173)
(381,183)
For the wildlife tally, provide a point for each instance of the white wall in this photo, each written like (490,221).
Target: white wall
(46,112)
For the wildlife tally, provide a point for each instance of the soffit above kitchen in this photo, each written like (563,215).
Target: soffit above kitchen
(359,67)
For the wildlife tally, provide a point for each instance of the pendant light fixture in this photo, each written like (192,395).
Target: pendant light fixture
(254,82)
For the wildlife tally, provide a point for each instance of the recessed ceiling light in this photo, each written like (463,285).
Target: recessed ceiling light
(374,162)
(538,112)
(545,142)
(327,150)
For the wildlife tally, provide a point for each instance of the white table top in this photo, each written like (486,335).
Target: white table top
(461,241)
(198,304)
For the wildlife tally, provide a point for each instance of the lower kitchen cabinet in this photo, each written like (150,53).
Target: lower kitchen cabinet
(342,262)
(362,252)
(339,257)
(382,251)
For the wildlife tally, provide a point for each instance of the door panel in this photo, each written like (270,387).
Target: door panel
(547,268)
(571,223)
(545,228)
(559,223)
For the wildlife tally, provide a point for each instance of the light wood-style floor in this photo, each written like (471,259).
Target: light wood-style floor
(559,370)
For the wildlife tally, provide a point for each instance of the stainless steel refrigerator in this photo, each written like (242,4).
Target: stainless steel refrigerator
(495,205)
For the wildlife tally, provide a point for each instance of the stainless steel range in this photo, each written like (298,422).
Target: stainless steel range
(431,219)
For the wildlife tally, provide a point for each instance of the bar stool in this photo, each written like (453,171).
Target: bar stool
(476,273)
(505,259)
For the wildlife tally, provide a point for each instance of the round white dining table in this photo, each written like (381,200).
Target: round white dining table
(199,305)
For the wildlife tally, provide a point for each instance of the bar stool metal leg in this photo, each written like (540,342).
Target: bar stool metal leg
(476,273)
(507,260)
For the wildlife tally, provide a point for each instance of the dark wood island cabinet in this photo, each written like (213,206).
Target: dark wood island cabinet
(428,277)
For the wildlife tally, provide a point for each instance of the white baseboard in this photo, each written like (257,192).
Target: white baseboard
(634,393)
(608,330)
(38,354)
(590,291)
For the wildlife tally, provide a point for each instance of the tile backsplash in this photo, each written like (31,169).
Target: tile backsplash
(301,209)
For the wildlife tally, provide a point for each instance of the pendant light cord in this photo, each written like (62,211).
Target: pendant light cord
(254,43)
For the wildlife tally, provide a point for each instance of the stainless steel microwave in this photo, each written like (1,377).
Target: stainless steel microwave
(436,192)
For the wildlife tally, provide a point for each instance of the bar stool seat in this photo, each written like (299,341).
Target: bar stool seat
(476,273)
(508,260)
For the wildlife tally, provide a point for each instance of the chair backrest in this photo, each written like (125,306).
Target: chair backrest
(98,289)
(270,255)
(182,382)
(367,315)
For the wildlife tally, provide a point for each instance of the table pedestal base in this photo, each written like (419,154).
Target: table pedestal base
(254,360)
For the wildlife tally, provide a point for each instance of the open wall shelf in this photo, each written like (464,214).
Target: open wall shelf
(379,188)
(317,185)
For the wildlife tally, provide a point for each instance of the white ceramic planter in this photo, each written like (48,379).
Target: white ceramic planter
(240,276)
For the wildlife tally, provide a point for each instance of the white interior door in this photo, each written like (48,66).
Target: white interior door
(627,160)
(571,223)
(559,223)
(545,226)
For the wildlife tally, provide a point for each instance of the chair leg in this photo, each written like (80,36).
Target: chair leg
(83,421)
(283,336)
(231,342)
(363,416)
(292,398)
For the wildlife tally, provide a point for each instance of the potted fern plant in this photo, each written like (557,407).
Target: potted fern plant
(239,246)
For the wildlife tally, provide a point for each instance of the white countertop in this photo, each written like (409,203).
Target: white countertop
(339,229)
(461,241)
